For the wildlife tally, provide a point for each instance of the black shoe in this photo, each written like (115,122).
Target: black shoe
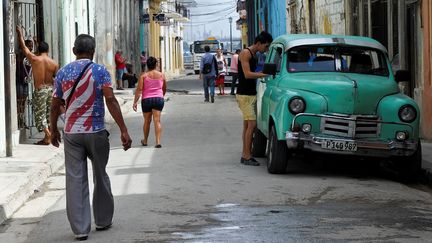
(251,161)
(81,237)
(206,100)
(212,99)
(242,160)
(102,228)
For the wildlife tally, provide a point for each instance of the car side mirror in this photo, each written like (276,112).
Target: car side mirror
(270,68)
(402,75)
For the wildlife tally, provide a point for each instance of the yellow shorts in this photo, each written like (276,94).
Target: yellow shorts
(247,105)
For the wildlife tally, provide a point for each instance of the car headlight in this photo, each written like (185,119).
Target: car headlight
(407,113)
(296,105)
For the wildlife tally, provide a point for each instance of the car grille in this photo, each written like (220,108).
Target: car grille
(352,126)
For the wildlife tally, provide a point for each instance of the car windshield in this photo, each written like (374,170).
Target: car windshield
(199,46)
(347,59)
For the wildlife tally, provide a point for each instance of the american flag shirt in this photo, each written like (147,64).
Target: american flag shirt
(86,110)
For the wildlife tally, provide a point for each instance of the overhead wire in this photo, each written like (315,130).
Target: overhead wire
(214,12)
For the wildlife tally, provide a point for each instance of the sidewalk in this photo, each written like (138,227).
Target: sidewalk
(22,174)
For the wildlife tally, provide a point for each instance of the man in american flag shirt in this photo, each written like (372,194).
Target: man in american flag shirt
(85,136)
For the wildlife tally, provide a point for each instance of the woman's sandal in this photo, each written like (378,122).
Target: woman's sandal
(142,142)
(158,146)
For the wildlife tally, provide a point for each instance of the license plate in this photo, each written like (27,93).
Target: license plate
(228,78)
(339,145)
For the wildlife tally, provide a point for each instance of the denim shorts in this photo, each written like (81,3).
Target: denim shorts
(119,74)
(154,103)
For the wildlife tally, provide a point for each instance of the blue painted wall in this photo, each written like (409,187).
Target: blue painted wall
(271,16)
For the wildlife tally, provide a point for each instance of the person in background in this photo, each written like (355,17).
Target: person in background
(246,92)
(44,70)
(222,69)
(208,73)
(130,76)
(234,70)
(120,62)
(23,77)
(85,136)
(143,61)
(152,89)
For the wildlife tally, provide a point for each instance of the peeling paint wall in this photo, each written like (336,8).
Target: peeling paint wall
(329,16)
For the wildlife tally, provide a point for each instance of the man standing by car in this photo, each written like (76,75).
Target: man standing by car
(246,92)
(208,73)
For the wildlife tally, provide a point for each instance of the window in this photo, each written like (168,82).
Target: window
(350,59)
(276,57)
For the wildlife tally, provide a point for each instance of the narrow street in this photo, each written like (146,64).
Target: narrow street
(194,189)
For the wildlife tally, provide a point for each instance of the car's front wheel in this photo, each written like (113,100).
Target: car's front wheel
(259,144)
(277,154)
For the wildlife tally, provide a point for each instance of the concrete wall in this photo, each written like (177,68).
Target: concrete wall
(2,92)
(329,17)
(427,58)
(126,30)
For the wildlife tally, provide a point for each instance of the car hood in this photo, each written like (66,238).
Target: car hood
(345,93)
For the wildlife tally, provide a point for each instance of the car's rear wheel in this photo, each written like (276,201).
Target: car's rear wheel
(409,168)
(277,154)
(259,144)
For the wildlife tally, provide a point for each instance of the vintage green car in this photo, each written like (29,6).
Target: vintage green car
(334,94)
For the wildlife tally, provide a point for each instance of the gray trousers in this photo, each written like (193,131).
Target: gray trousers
(79,147)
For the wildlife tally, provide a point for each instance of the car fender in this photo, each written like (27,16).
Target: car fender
(280,114)
(388,111)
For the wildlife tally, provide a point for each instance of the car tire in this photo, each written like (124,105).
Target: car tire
(259,144)
(277,154)
(409,168)
(196,71)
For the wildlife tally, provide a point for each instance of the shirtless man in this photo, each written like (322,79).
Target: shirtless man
(44,70)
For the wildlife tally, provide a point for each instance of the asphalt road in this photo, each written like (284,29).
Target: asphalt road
(194,189)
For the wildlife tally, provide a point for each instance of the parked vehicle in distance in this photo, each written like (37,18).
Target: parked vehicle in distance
(197,50)
(337,95)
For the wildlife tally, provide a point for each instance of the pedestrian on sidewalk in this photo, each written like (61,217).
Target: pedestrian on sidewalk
(208,73)
(234,70)
(120,63)
(152,89)
(44,70)
(83,85)
(246,92)
(222,69)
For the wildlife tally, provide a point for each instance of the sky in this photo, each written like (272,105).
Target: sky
(210,18)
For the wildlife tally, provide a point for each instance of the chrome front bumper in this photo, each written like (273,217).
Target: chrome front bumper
(376,148)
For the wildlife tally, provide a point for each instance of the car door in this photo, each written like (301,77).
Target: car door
(266,88)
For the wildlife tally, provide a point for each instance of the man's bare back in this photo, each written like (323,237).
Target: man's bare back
(44,68)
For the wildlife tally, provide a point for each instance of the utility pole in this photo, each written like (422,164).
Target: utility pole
(230,21)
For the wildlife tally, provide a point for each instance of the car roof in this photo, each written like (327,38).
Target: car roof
(293,40)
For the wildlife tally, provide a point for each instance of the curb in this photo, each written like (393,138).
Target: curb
(34,179)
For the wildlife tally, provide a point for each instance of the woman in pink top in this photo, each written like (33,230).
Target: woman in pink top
(152,88)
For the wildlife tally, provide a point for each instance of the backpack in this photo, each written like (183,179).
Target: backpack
(207,67)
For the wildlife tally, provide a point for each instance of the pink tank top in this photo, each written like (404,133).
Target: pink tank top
(152,88)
